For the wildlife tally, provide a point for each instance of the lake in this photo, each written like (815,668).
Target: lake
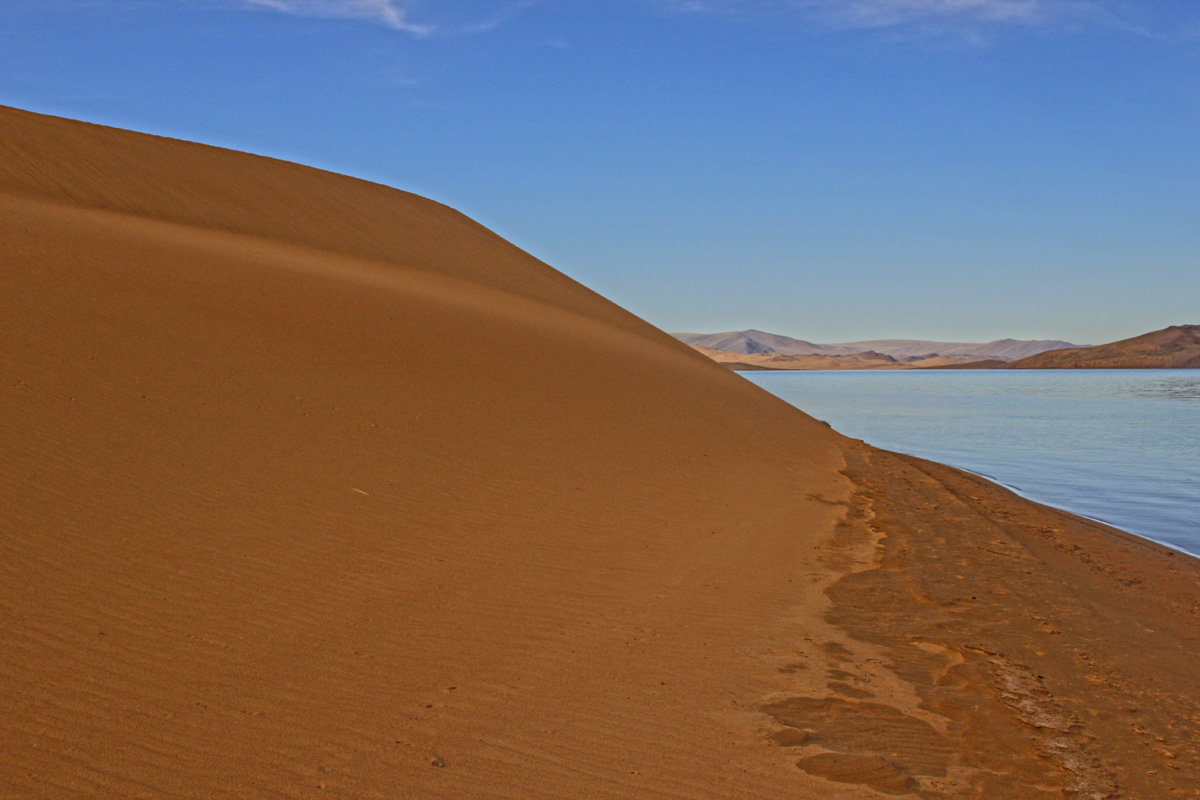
(1121,446)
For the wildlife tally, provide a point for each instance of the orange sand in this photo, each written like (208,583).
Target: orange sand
(315,488)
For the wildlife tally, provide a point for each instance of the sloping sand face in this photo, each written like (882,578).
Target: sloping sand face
(313,488)
(283,521)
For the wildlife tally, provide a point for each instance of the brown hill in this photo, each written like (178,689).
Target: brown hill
(261,537)
(1176,347)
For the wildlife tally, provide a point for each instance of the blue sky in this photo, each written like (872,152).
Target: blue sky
(827,169)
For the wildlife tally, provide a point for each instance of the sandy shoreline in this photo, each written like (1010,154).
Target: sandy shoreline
(1025,495)
(262,538)
(1042,607)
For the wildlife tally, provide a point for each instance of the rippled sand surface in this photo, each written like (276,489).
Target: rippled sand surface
(313,488)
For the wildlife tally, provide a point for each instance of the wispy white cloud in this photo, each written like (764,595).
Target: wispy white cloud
(969,20)
(444,18)
(386,12)
(489,19)
(883,13)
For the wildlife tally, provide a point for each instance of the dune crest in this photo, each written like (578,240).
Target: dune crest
(153,177)
(264,535)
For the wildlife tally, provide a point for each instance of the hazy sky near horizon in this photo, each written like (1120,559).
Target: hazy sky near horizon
(827,169)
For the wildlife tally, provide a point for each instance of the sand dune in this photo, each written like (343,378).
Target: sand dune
(261,538)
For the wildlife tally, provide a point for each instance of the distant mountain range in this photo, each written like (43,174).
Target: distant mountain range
(868,359)
(753,342)
(1177,346)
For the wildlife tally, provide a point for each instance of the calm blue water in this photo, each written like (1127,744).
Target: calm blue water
(1122,446)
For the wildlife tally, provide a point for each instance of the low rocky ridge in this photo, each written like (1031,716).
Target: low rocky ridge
(755,342)
(1174,347)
